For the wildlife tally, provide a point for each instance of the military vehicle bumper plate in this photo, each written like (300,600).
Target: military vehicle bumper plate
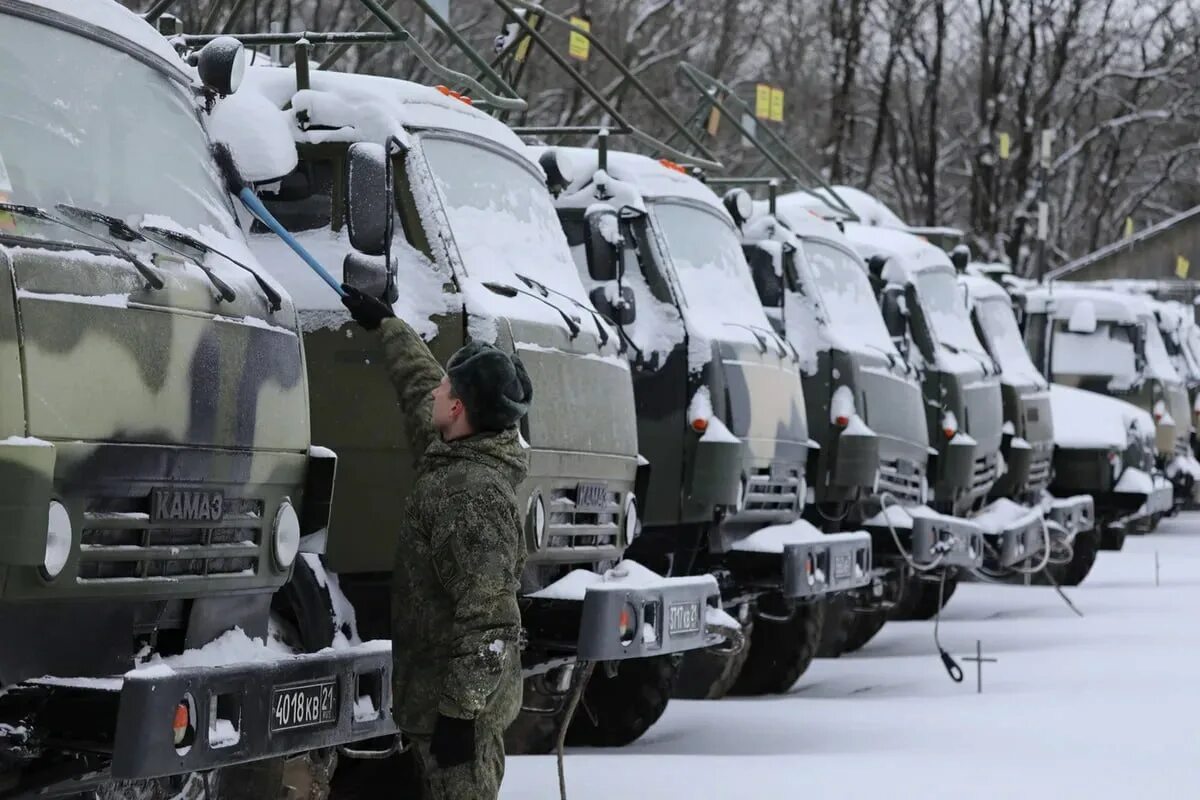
(945,540)
(837,562)
(1075,514)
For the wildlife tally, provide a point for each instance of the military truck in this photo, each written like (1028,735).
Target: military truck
(478,255)
(1028,443)
(1109,342)
(154,435)
(720,409)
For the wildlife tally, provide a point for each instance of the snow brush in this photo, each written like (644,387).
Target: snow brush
(236,186)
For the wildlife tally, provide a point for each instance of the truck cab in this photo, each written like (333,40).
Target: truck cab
(478,255)
(720,403)
(154,430)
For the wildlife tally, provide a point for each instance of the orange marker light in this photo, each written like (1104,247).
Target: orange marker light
(842,421)
(699,424)
(180,723)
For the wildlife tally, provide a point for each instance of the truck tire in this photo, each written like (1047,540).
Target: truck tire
(532,733)
(1085,548)
(839,619)
(617,710)
(1112,539)
(780,651)
(920,599)
(707,675)
(864,626)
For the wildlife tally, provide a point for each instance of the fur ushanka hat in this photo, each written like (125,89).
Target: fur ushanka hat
(493,386)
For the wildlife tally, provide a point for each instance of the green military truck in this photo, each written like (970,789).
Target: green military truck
(154,434)
(720,409)
(478,255)
(1109,342)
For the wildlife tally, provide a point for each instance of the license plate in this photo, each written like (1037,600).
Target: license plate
(186,505)
(591,497)
(683,618)
(843,565)
(304,705)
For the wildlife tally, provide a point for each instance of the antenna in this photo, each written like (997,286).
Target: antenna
(530,18)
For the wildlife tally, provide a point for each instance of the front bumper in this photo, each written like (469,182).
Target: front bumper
(238,713)
(801,562)
(1074,514)
(629,612)
(934,539)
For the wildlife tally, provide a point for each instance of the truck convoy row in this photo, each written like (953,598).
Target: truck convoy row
(758,435)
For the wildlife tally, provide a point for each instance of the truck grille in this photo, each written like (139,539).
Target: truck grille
(901,478)
(568,526)
(779,492)
(984,472)
(119,543)
(1040,467)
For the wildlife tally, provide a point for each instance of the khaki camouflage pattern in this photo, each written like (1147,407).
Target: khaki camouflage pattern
(478,780)
(455,620)
(136,389)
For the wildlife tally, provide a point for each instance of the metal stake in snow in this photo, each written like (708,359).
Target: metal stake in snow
(1156,568)
(979,662)
(237,187)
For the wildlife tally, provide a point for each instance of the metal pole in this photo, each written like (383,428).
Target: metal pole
(1043,206)
(302,82)
(339,51)
(157,10)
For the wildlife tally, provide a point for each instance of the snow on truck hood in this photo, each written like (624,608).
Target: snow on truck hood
(111,17)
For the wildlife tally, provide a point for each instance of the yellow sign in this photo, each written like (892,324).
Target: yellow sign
(1005,146)
(714,121)
(762,101)
(1182,265)
(578,46)
(1128,227)
(776,104)
(526,40)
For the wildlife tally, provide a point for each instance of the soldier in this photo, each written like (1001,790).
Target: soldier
(455,621)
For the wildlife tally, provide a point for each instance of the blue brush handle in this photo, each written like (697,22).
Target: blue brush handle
(259,210)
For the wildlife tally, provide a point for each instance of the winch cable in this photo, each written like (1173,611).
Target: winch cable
(996,578)
(581,681)
(1062,594)
(952,667)
(884,500)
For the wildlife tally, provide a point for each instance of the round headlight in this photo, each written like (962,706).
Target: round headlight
(58,541)
(740,205)
(535,520)
(286,535)
(631,519)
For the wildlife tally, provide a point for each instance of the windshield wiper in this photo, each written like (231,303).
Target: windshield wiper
(891,357)
(762,342)
(546,291)
(504,290)
(119,229)
(154,232)
(34,212)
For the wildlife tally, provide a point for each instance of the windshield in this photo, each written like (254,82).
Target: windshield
(841,284)
(1109,352)
(707,257)
(86,124)
(501,217)
(1158,361)
(944,307)
(999,327)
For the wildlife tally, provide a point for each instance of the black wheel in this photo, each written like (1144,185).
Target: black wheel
(1085,548)
(839,619)
(535,730)
(1112,538)
(782,648)
(920,599)
(864,625)
(709,674)
(617,710)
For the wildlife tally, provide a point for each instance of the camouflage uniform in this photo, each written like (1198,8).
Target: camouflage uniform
(455,620)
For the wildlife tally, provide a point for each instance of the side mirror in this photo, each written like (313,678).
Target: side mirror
(623,311)
(370,275)
(370,209)
(893,316)
(960,256)
(602,240)
(766,279)
(221,65)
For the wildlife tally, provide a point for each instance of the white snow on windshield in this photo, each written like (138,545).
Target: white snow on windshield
(1108,353)
(1158,361)
(1000,327)
(943,303)
(502,219)
(715,280)
(845,293)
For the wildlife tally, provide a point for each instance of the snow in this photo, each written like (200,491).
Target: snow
(1134,481)
(1083,318)
(701,405)
(857,427)
(842,404)
(651,179)
(222,733)
(1004,514)
(118,20)
(1186,464)
(364,709)
(625,575)
(316,451)
(949,421)
(1096,354)
(258,133)
(719,618)
(1008,429)
(773,538)
(1102,706)
(1021,444)
(24,441)
(870,210)
(103,300)
(1085,419)
(718,432)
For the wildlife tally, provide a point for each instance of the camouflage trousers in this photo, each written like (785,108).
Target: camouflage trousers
(478,780)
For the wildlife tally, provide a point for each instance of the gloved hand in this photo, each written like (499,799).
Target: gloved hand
(453,741)
(366,310)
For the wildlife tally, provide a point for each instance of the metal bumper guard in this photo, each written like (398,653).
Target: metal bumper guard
(935,539)
(235,714)
(812,563)
(1074,514)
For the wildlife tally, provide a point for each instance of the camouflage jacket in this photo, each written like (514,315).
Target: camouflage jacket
(455,620)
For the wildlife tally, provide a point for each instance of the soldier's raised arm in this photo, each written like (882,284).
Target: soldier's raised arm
(413,370)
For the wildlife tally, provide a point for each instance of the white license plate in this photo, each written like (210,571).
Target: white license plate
(304,705)
(843,565)
(591,497)
(683,618)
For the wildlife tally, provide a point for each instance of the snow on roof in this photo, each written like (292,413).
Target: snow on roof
(341,107)
(906,253)
(649,176)
(1084,420)
(800,221)
(983,288)
(117,20)
(1060,300)
(869,209)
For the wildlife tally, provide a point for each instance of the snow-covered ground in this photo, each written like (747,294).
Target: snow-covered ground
(1106,706)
